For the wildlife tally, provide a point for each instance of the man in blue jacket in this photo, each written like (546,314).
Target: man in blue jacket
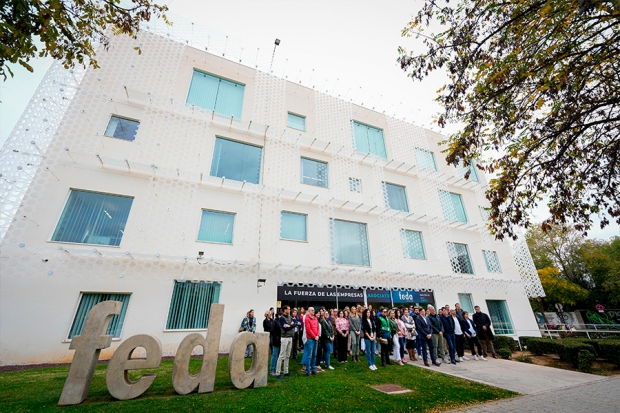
(448,333)
(425,334)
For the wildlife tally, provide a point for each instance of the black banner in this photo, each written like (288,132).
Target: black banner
(307,293)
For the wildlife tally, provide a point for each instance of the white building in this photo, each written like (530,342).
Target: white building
(176,178)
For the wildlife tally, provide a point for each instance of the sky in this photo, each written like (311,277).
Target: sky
(335,45)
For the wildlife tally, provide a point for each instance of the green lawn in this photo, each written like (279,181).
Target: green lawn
(345,389)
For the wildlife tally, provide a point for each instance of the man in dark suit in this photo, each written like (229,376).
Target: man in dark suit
(448,333)
(425,335)
(485,334)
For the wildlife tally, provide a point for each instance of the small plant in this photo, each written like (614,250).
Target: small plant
(505,342)
(585,360)
(505,353)
(523,358)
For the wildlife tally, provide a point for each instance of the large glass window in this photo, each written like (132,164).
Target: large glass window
(459,258)
(473,172)
(396,197)
(492,261)
(237,161)
(296,121)
(412,244)
(122,128)
(426,159)
(500,317)
(191,304)
(216,226)
(216,94)
(314,172)
(368,139)
(88,301)
(467,304)
(93,218)
(349,243)
(293,226)
(452,205)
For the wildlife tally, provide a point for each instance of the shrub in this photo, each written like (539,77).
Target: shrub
(505,353)
(524,359)
(609,350)
(525,340)
(505,342)
(570,351)
(540,346)
(585,360)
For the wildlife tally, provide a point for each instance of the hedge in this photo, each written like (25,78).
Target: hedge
(568,350)
(525,340)
(505,342)
(608,349)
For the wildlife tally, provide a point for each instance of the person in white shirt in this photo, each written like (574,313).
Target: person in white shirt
(460,340)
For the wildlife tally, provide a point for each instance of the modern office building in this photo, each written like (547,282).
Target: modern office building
(176,178)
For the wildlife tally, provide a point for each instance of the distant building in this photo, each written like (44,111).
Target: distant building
(177,178)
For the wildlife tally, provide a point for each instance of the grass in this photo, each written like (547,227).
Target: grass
(346,389)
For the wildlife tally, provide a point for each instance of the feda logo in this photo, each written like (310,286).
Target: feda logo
(405,296)
(89,344)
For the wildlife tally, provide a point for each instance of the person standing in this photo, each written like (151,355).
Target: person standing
(425,334)
(311,325)
(418,343)
(295,324)
(385,336)
(411,335)
(275,337)
(342,328)
(459,311)
(248,324)
(460,339)
(327,339)
(437,326)
(286,323)
(469,330)
(370,335)
(448,333)
(267,326)
(355,325)
(485,334)
(300,318)
(396,334)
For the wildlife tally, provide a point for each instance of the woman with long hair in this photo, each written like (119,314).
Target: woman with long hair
(327,338)
(370,337)
(342,328)
(355,324)
(395,331)
(249,324)
(411,334)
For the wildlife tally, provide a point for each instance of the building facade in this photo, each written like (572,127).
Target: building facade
(178,178)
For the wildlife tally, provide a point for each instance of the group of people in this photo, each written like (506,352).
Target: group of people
(413,333)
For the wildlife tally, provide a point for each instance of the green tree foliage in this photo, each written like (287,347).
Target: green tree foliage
(68,29)
(560,290)
(602,262)
(537,82)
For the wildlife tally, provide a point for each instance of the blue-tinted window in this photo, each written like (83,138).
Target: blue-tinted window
(190,306)
(349,243)
(296,121)
(492,261)
(426,159)
(314,172)
(452,205)
(368,139)
(88,301)
(473,173)
(396,197)
(355,185)
(93,218)
(237,161)
(216,226)
(412,244)
(459,258)
(500,317)
(216,94)
(293,226)
(122,128)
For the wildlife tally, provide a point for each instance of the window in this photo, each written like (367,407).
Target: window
(313,172)
(473,173)
(191,304)
(396,197)
(216,94)
(237,161)
(498,311)
(426,159)
(355,185)
(88,301)
(296,121)
(459,258)
(484,213)
(216,226)
(349,243)
(452,205)
(122,128)
(412,244)
(93,218)
(467,304)
(368,140)
(490,257)
(293,226)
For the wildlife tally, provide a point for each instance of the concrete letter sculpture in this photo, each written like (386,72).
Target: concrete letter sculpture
(182,380)
(117,379)
(257,375)
(87,347)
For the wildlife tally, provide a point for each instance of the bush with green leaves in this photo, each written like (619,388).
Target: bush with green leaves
(525,341)
(505,353)
(567,350)
(585,360)
(523,358)
(505,342)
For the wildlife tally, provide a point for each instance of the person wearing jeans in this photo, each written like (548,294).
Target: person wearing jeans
(276,340)
(370,338)
(311,326)
(287,327)
(327,339)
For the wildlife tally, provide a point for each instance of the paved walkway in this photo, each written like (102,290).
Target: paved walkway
(523,378)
